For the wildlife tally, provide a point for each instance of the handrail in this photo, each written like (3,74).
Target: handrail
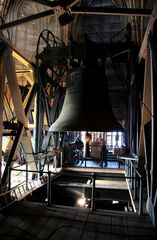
(128,158)
(25,188)
(20,191)
(17,193)
(132,171)
(95,176)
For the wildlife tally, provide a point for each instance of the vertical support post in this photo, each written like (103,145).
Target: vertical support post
(58,157)
(26,176)
(49,189)
(140,211)
(9,178)
(93,193)
(129,169)
(39,164)
(55,163)
(118,160)
(2,84)
(153,53)
(133,180)
(39,119)
(131,173)
(135,185)
(48,163)
(61,160)
(126,167)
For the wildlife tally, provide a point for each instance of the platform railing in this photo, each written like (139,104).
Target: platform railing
(96,176)
(135,181)
(22,190)
(25,188)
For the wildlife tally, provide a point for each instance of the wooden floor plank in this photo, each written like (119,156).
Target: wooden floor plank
(95,170)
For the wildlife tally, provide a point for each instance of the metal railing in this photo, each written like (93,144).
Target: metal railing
(25,188)
(135,181)
(96,176)
(22,190)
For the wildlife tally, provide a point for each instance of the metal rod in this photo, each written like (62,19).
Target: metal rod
(9,178)
(49,189)
(111,11)
(26,176)
(132,174)
(39,119)
(147,32)
(140,211)
(61,160)
(134,184)
(31,171)
(129,169)
(129,158)
(93,193)
(80,174)
(26,19)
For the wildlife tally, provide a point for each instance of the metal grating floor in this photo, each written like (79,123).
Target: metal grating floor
(32,221)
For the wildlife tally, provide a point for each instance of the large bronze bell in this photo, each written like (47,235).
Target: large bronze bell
(87,105)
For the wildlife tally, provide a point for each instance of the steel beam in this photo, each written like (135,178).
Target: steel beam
(82,10)
(2,85)
(153,39)
(39,119)
(26,19)
(144,138)
(142,53)
(111,11)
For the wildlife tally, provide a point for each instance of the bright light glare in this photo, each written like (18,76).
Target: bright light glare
(81,201)
(115,202)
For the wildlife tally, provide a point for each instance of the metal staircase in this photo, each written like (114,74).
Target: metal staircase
(21,191)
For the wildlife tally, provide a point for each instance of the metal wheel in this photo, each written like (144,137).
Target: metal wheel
(50,76)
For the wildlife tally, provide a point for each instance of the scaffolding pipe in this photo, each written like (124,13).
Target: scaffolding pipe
(140,211)
(93,193)
(49,189)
